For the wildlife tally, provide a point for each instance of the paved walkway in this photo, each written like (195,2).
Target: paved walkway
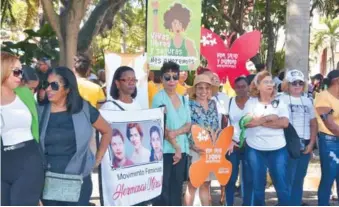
(310,189)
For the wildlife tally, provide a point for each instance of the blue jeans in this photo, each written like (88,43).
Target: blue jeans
(329,162)
(296,172)
(276,162)
(237,158)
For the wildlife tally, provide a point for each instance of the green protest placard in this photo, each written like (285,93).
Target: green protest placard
(173,33)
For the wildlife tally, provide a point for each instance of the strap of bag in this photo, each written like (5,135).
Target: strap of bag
(115,103)
(229,111)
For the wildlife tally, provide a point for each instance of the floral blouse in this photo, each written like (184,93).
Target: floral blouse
(205,119)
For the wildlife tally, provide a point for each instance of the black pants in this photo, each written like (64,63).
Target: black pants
(22,175)
(173,180)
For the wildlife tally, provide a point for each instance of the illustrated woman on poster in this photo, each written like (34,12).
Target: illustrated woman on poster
(156,144)
(135,135)
(118,150)
(176,20)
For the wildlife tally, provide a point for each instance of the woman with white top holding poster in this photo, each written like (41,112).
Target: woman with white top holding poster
(235,153)
(302,117)
(266,144)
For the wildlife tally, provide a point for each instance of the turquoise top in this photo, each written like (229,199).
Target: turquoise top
(175,119)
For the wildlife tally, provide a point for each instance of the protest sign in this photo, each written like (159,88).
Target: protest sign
(132,168)
(213,159)
(138,63)
(229,62)
(173,33)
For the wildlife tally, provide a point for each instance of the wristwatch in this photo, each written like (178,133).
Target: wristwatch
(325,116)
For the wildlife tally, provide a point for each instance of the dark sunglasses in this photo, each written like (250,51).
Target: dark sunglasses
(169,77)
(55,86)
(297,83)
(17,72)
(129,80)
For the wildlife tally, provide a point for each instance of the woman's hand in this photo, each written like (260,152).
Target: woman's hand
(309,148)
(231,148)
(171,134)
(177,155)
(271,117)
(198,150)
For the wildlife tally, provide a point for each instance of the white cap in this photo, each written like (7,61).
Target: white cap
(294,75)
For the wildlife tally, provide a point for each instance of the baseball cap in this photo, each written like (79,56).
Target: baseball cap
(333,75)
(294,75)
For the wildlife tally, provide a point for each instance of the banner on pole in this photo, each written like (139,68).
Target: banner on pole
(138,63)
(173,33)
(131,170)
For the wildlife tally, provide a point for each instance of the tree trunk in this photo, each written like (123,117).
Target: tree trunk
(67,24)
(298,35)
(270,39)
(333,56)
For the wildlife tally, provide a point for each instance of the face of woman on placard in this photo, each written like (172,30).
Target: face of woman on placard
(155,141)
(118,147)
(203,91)
(266,85)
(135,137)
(170,80)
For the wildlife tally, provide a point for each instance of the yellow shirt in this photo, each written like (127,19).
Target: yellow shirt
(182,89)
(153,89)
(90,91)
(325,99)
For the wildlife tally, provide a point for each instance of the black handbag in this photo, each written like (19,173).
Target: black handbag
(292,141)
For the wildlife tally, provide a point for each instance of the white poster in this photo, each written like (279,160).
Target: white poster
(135,61)
(132,168)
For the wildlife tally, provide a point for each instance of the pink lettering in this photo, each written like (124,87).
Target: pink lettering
(122,191)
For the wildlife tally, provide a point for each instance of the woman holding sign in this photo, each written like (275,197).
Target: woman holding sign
(203,113)
(265,139)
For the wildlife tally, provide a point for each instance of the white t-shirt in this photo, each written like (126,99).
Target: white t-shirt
(263,138)
(16,121)
(222,101)
(109,105)
(235,115)
(301,112)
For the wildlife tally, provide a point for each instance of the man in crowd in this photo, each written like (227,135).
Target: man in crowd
(41,69)
(89,91)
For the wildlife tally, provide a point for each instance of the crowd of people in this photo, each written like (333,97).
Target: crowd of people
(48,117)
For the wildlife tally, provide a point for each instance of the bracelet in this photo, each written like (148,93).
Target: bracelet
(155,11)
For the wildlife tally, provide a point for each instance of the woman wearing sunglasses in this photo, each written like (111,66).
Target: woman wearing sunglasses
(176,146)
(66,124)
(123,91)
(22,173)
(265,139)
(302,117)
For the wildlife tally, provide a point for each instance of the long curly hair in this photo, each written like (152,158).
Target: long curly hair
(177,11)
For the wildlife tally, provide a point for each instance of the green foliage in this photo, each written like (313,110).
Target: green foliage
(40,43)
(279,62)
(329,8)
(127,34)
(19,13)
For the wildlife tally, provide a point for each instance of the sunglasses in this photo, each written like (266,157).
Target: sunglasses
(169,77)
(297,83)
(55,86)
(129,80)
(17,72)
